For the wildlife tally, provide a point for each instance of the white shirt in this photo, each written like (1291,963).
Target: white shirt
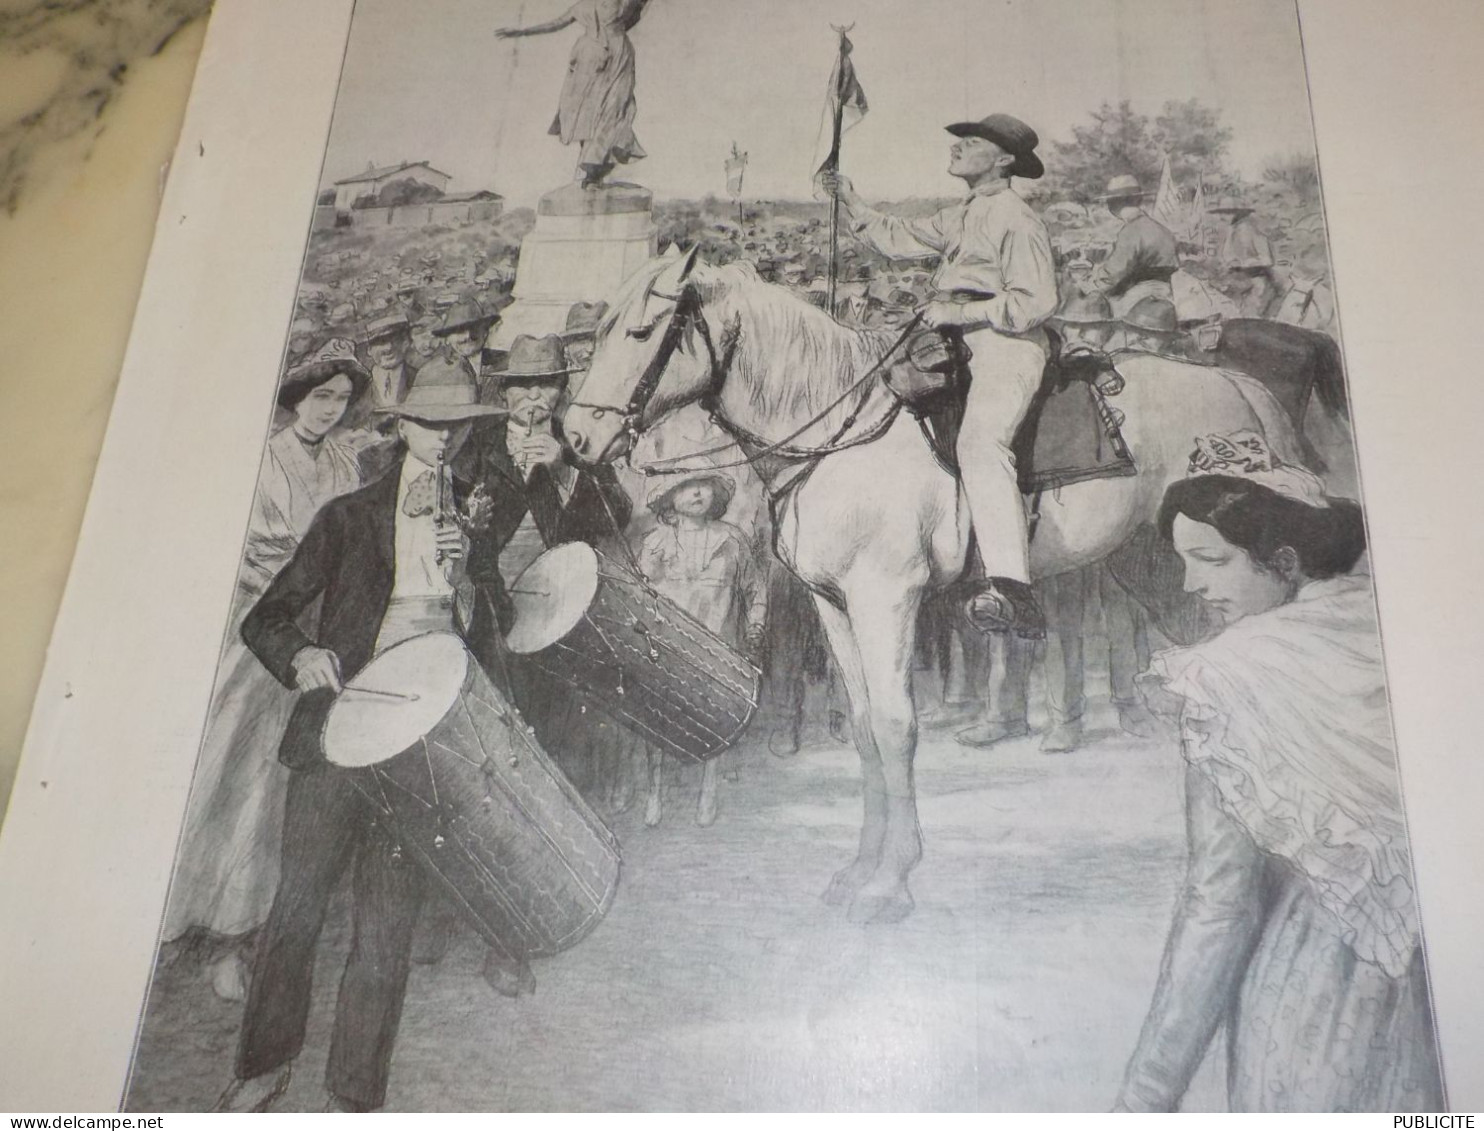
(417,571)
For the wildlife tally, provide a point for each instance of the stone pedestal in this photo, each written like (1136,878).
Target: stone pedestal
(585,244)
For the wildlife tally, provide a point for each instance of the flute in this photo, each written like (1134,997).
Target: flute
(440,504)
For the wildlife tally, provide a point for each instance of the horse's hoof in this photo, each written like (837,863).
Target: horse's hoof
(881,909)
(652,814)
(706,815)
(842,890)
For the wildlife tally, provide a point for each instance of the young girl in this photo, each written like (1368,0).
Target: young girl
(705,566)
(1297,929)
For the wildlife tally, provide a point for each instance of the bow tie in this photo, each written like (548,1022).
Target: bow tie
(421,495)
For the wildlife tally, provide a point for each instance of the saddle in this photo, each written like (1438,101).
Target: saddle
(1070,433)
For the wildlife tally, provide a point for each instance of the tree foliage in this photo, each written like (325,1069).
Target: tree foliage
(1296,171)
(1118,140)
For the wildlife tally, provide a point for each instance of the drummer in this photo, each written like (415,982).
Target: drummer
(385,564)
(541,499)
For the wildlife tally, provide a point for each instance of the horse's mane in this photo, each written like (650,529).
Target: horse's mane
(793,360)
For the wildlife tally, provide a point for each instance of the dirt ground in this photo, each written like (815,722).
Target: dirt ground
(720,982)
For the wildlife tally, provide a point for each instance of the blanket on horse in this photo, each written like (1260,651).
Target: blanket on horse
(1070,432)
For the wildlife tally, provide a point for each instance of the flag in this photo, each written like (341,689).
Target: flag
(1197,222)
(846,102)
(1169,209)
(736,166)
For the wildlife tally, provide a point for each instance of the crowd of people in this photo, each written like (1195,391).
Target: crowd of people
(390,405)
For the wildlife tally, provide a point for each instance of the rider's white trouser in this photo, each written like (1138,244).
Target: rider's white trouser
(1007,372)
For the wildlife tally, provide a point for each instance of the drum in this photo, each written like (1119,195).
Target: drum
(459,779)
(641,658)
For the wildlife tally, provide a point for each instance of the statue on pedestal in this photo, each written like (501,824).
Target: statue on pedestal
(596,110)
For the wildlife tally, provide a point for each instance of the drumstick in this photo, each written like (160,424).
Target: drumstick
(532,592)
(381,694)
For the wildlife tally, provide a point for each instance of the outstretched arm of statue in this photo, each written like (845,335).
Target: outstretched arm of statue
(535,29)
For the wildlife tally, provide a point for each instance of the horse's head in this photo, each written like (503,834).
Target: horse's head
(654,354)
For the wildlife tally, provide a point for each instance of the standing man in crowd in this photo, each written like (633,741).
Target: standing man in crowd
(388,349)
(1145,253)
(995,286)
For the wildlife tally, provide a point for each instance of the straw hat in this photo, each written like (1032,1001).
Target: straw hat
(664,488)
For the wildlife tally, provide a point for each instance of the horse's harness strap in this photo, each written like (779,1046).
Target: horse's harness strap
(783,447)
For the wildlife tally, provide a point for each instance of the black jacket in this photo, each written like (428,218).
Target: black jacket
(346,561)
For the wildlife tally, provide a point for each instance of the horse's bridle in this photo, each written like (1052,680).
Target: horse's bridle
(686,315)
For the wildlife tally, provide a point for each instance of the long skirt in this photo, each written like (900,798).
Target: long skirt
(227,868)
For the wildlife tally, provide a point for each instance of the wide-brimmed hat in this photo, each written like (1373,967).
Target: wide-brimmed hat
(533,360)
(465,314)
(1230,205)
(338,355)
(442,392)
(583,320)
(388,327)
(663,489)
(1153,315)
(1124,187)
(1010,134)
(1085,310)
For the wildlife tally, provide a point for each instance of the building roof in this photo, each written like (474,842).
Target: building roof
(387,171)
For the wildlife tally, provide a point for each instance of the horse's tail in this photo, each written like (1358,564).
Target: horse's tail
(1329,377)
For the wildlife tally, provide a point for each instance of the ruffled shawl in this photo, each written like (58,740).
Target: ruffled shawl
(1286,712)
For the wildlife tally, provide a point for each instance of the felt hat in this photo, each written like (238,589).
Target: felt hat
(442,392)
(1124,187)
(1230,206)
(465,314)
(533,360)
(338,355)
(583,320)
(1153,315)
(388,327)
(1085,310)
(1010,134)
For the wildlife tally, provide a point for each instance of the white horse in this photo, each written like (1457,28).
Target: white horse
(877,522)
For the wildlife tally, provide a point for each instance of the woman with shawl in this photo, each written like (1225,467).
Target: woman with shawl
(228,858)
(1296,931)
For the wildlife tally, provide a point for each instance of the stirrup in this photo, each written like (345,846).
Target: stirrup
(1006,605)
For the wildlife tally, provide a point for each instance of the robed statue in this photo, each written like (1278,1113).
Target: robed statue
(597,106)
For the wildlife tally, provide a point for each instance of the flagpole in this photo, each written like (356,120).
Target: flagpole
(839,101)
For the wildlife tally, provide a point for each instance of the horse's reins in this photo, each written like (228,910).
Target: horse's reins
(688,312)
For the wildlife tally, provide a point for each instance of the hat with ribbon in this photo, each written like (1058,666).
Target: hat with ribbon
(338,355)
(534,360)
(387,327)
(1010,134)
(1229,205)
(442,392)
(1245,455)
(1124,187)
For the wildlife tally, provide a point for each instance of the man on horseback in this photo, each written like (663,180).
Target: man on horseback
(995,286)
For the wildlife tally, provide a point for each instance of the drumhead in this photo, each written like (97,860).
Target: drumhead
(551,595)
(364,727)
